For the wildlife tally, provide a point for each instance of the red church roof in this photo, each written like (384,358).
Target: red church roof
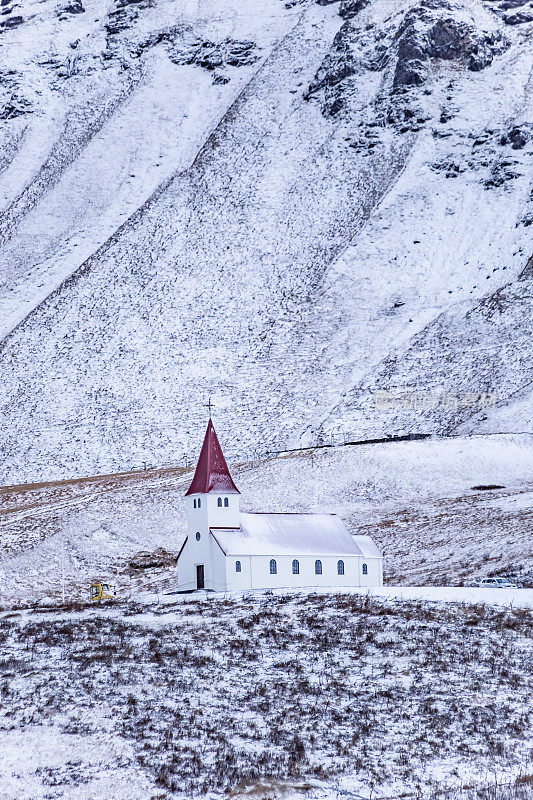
(212,473)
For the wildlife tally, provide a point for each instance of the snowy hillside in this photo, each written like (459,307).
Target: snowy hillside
(305,696)
(423,502)
(289,206)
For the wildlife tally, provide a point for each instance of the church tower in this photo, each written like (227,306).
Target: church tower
(212,502)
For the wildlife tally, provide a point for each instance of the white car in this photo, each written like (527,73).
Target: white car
(496,583)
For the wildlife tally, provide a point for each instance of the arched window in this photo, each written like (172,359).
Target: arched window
(226,502)
(273,567)
(318,567)
(194,503)
(340,567)
(219,502)
(199,503)
(237,566)
(295,567)
(198,537)
(365,569)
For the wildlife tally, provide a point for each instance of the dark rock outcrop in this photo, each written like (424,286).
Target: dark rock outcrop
(519,18)
(15,108)
(508,4)
(428,33)
(517,137)
(500,174)
(350,8)
(118,21)
(75,7)
(212,56)
(12,102)
(339,65)
(167,35)
(11,22)
(423,37)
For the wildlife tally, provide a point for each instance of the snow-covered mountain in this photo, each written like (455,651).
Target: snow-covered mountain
(287,206)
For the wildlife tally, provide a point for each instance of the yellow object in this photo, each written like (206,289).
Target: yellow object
(102,591)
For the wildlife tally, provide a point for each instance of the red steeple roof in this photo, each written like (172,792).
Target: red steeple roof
(212,473)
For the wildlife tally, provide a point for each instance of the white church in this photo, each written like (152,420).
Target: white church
(226,549)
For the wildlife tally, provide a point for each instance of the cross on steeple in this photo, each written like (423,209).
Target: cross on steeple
(209,406)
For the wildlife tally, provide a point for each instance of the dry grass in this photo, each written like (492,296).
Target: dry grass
(218,694)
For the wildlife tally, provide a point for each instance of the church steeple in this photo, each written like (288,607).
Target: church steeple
(212,504)
(212,473)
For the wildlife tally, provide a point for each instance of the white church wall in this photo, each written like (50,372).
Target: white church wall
(186,580)
(242,579)
(206,552)
(203,513)
(222,516)
(217,569)
(210,514)
(221,574)
(198,548)
(374,571)
(284,577)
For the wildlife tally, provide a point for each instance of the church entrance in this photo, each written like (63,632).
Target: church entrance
(200,583)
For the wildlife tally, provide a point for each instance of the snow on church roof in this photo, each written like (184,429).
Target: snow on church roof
(292,534)
(367,546)
(212,473)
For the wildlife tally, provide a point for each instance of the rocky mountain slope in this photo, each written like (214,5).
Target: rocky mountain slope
(290,206)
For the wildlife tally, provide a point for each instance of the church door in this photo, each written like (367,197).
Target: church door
(200,583)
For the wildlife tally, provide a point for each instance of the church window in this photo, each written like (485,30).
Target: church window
(219,502)
(295,567)
(199,503)
(318,567)
(194,503)
(273,567)
(198,537)
(365,569)
(340,567)
(226,502)
(237,566)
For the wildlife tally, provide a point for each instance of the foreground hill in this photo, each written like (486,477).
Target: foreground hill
(290,206)
(423,502)
(302,695)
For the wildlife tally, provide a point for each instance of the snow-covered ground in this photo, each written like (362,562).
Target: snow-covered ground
(320,215)
(417,500)
(275,223)
(512,598)
(472,595)
(302,695)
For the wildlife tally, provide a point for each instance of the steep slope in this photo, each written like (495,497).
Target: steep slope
(119,111)
(358,204)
